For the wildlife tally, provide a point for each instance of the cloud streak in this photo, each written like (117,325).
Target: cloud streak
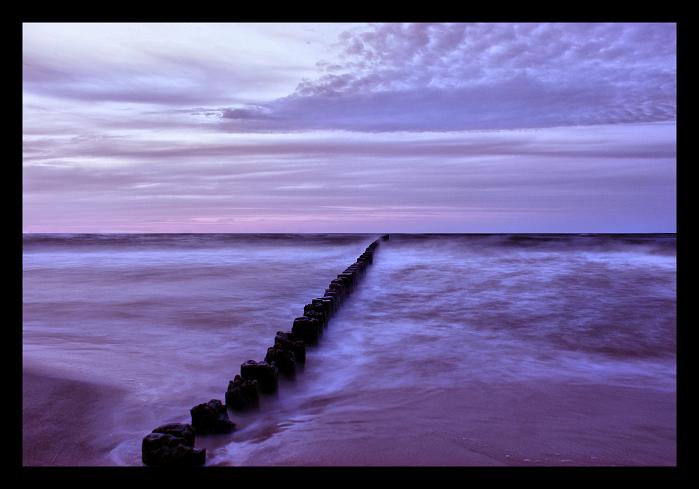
(479,180)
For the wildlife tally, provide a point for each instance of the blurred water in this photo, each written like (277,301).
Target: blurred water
(444,339)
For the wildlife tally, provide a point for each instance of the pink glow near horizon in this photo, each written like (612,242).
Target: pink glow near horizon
(349,128)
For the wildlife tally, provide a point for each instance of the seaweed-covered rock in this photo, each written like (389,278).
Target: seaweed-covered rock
(333,296)
(355,270)
(308,329)
(318,311)
(282,358)
(242,394)
(181,430)
(326,304)
(352,277)
(165,450)
(211,417)
(265,374)
(340,282)
(347,279)
(291,343)
(319,316)
(339,287)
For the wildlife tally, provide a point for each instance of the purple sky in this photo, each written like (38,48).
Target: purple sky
(349,127)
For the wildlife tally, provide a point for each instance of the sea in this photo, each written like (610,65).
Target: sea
(454,350)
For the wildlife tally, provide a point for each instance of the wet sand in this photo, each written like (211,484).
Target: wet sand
(73,423)
(524,424)
(65,421)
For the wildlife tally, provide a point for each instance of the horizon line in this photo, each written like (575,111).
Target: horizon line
(376,232)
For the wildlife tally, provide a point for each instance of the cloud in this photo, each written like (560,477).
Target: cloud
(349,181)
(173,65)
(426,77)
(515,103)
(654,141)
(247,113)
(384,77)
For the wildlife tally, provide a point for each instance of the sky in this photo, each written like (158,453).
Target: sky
(349,128)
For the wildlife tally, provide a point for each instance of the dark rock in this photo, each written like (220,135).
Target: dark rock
(340,292)
(348,276)
(353,275)
(291,343)
(265,374)
(316,315)
(384,237)
(335,297)
(308,329)
(242,394)
(339,287)
(181,430)
(326,304)
(317,311)
(211,417)
(348,279)
(354,270)
(161,449)
(282,358)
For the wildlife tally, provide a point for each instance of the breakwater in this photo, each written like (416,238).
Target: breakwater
(173,444)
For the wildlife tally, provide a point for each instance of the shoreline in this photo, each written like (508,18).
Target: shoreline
(449,354)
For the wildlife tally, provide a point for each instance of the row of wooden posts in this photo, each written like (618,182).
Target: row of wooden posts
(173,444)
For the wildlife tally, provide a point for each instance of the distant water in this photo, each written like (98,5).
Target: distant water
(455,350)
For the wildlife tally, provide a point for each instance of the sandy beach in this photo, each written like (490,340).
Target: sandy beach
(68,423)
(524,424)
(65,421)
